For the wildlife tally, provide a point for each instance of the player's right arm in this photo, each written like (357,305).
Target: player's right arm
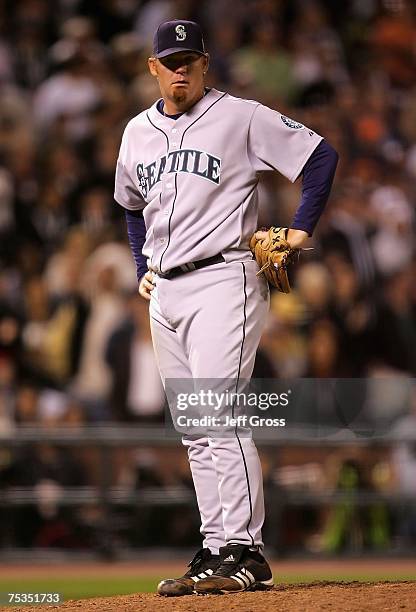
(128,196)
(136,231)
(146,285)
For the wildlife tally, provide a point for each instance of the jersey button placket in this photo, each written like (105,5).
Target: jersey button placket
(166,201)
(167,195)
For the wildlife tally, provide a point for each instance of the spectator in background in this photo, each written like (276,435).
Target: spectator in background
(10,336)
(81,32)
(318,55)
(151,14)
(7,394)
(351,526)
(61,167)
(36,314)
(226,41)
(105,151)
(137,393)
(7,220)
(324,356)
(32,25)
(354,316)
(404,467)
(346,233)
(313,286)
(70,95)
(63,270)
(110,16)
(64,336)
(284,340)
(264,66)
(393,244)
(127,52)
(396,324)
(95,206)
(393,40)
(26,407)
(50,218)
(93,381)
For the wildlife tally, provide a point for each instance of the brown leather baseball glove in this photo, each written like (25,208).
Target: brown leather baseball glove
(273,254)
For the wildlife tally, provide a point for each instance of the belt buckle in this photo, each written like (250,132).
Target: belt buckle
(164,274)
(189,267)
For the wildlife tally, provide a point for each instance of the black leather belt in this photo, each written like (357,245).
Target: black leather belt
(190,267)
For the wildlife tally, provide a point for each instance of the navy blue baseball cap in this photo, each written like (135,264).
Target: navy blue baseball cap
(178,35)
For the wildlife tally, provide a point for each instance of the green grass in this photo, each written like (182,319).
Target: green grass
(80,587)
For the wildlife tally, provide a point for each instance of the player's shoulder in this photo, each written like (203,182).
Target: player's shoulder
(265,113)
(239,103)
(250,106)
(238,108)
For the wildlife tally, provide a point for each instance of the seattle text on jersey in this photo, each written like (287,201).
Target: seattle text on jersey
(191,161)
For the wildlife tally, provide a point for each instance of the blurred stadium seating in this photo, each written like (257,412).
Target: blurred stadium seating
(70,321)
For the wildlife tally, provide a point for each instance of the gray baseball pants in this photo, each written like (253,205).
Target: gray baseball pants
(207,324)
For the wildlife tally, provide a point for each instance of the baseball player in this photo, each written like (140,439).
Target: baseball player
(187,176)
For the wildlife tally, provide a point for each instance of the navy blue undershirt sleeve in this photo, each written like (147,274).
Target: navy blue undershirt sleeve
(317,177)
(136,231)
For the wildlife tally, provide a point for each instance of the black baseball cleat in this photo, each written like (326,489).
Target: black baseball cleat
(202,565)
(240,569)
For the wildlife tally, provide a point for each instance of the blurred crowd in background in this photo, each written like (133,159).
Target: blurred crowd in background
(75,346)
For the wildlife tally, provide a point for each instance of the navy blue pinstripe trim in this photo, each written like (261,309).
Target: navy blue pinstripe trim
(200,116)
(163,325)
(171,212)
(170,218)
(232,410)
(159,130)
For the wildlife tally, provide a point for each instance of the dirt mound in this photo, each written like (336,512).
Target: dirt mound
(336,596)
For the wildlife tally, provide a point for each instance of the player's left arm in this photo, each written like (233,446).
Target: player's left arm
(317,178)
(276,142)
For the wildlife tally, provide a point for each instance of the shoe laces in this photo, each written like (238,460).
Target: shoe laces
(196,561)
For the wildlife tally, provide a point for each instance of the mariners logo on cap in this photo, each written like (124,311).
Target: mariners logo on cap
(290,123)
(180,32)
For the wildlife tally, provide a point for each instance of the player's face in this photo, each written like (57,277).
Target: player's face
(181,78)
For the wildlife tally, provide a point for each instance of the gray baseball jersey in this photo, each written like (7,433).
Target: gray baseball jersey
(195,179)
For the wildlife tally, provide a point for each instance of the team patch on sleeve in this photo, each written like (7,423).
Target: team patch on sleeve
(291,123)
